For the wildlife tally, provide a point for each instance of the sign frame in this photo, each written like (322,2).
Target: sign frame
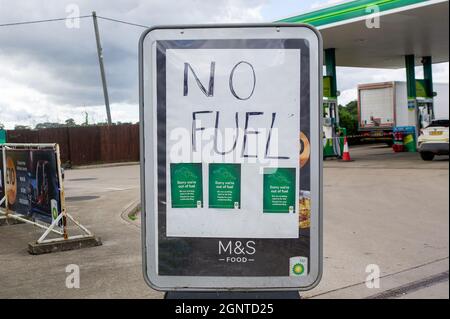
(150,224)
(58,224)
(40,214)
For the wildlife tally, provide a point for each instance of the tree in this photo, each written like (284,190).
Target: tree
(47,125)
(22,127)
(348,117)
(352,107)
(2,127)
(70,122)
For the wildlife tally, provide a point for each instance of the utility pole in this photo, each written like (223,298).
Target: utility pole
(102,69)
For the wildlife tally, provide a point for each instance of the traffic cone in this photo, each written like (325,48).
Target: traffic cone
(346,154)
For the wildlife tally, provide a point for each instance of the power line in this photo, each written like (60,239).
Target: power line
(124,22)
(71,18)
(42,21)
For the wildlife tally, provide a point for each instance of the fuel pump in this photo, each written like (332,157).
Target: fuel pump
(424,112)
(424,102)
(331,129)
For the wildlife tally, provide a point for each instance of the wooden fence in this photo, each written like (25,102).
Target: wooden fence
(83,145)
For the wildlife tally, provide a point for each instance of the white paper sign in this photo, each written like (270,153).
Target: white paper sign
(266,83)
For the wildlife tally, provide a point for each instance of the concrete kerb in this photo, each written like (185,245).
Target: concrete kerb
(130,213)
(105,165)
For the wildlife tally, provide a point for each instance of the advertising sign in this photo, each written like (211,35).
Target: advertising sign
(31,182)
(327,87)
(421,89)
(231,157)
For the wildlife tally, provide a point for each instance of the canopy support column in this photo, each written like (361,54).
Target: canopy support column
(428,77)
(330,64)
(410,76)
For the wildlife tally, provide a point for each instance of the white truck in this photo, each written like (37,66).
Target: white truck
(383,106)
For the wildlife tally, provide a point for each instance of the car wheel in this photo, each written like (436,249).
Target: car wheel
(427,156)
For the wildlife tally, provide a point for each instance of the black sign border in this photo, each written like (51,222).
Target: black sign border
(175,254)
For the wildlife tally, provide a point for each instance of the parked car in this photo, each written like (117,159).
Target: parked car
(433,140)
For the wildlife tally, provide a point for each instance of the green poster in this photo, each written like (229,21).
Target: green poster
(186,185)
(2,136)
(421,89)
(225,186)
(327,86)
(279,190)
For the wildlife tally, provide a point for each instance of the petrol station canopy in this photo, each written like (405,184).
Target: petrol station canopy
(406,27)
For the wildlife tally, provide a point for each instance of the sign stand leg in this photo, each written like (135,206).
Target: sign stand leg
(232,295)
(66,216)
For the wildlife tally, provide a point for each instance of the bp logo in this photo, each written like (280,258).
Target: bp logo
(54,213)
(54,207)
(298,269)
(298,266)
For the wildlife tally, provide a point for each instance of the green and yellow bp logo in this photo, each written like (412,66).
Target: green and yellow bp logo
(298,269)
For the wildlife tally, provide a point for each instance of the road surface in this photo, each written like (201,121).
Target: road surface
(384,209)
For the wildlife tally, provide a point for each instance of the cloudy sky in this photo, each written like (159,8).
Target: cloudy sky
(49,72)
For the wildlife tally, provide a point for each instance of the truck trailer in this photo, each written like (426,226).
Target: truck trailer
(384,106)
